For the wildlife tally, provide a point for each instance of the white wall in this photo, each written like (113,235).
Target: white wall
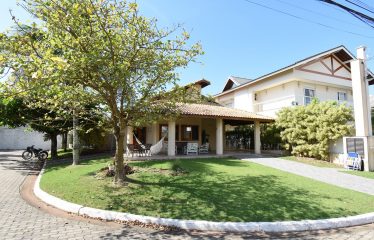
(19,138)
(271,100)
(323,92)
(243,100)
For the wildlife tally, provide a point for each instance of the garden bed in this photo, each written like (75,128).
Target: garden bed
(205,189)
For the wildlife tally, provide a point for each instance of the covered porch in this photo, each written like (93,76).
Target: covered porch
(201,126)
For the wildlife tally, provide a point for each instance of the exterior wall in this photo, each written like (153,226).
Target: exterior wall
(19,138)
(243,100)
(271,100)
(322,92)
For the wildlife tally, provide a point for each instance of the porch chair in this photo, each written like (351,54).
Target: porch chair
(204,148)
(352,161)
(192,148)
(147,149)
(132,149)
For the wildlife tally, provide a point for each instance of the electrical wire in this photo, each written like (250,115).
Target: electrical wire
(308,20)
(362,17)
(358,5)
(321,14)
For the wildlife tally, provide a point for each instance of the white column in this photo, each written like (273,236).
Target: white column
(154,133)
(130,137)
(171,138)
(257,138)
(360,95)
(219,136)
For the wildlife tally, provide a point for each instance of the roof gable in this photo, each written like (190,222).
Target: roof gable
(329,65)
(233,82)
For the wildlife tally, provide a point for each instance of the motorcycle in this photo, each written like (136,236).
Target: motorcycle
(34,152)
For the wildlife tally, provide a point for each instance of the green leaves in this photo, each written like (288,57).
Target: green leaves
(308,130)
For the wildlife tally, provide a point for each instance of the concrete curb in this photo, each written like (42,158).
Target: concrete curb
(284,226)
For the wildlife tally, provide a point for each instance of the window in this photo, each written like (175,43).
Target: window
(164,131)
(342,96)
(190,133)
(309,94)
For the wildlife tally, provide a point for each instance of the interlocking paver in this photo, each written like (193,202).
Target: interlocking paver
(19,220)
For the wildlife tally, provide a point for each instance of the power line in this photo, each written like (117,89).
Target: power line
(364,4)
(321,14)
(360,6)
(362,17)
(307,20)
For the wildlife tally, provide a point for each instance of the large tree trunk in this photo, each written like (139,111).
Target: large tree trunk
(76,144)
(53,146)
(64,143)
(120,135)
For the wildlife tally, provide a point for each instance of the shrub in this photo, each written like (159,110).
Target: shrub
(308,130)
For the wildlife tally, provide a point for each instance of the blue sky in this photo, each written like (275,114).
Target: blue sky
(247,40)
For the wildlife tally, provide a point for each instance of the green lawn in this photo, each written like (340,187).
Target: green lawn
(214,189)
(62,154)
(69,153)
(361,174)
(311,161)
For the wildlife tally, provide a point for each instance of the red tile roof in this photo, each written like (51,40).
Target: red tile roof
(218,111)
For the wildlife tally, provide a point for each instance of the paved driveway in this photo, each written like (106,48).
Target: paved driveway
(19,220)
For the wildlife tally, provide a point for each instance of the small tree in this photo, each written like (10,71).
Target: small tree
(308,130)
(121,58)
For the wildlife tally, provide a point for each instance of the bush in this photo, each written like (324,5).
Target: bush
(308,130)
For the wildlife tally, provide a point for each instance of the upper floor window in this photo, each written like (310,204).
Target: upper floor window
(342,96)
(309,94)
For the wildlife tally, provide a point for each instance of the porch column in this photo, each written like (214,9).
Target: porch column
(219,136)
(257,138)
(154,133)
(130,138)
(171,138)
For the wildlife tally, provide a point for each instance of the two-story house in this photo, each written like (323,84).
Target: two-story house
(325,76)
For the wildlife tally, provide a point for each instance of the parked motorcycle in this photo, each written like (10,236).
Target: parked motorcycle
(34,152)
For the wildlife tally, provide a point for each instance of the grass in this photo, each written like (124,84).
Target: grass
(312,161)
(361,174)
(61,154)
(212,189)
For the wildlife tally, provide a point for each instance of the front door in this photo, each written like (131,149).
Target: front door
(140,133)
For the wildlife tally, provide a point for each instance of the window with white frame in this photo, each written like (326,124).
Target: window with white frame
(309,94)
(342,96)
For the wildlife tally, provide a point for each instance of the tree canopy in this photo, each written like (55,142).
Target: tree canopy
(105,47)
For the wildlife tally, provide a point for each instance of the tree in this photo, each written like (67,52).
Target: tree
(121,58)
(308,130)
(15,113)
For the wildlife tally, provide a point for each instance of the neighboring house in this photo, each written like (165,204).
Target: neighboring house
(20,138)
(325,76)
(198,123)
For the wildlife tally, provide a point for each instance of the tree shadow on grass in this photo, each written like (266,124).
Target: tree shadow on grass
(222,198)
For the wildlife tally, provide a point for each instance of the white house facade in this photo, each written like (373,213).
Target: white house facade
(325,76)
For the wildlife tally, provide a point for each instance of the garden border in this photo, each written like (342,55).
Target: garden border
(275,227)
